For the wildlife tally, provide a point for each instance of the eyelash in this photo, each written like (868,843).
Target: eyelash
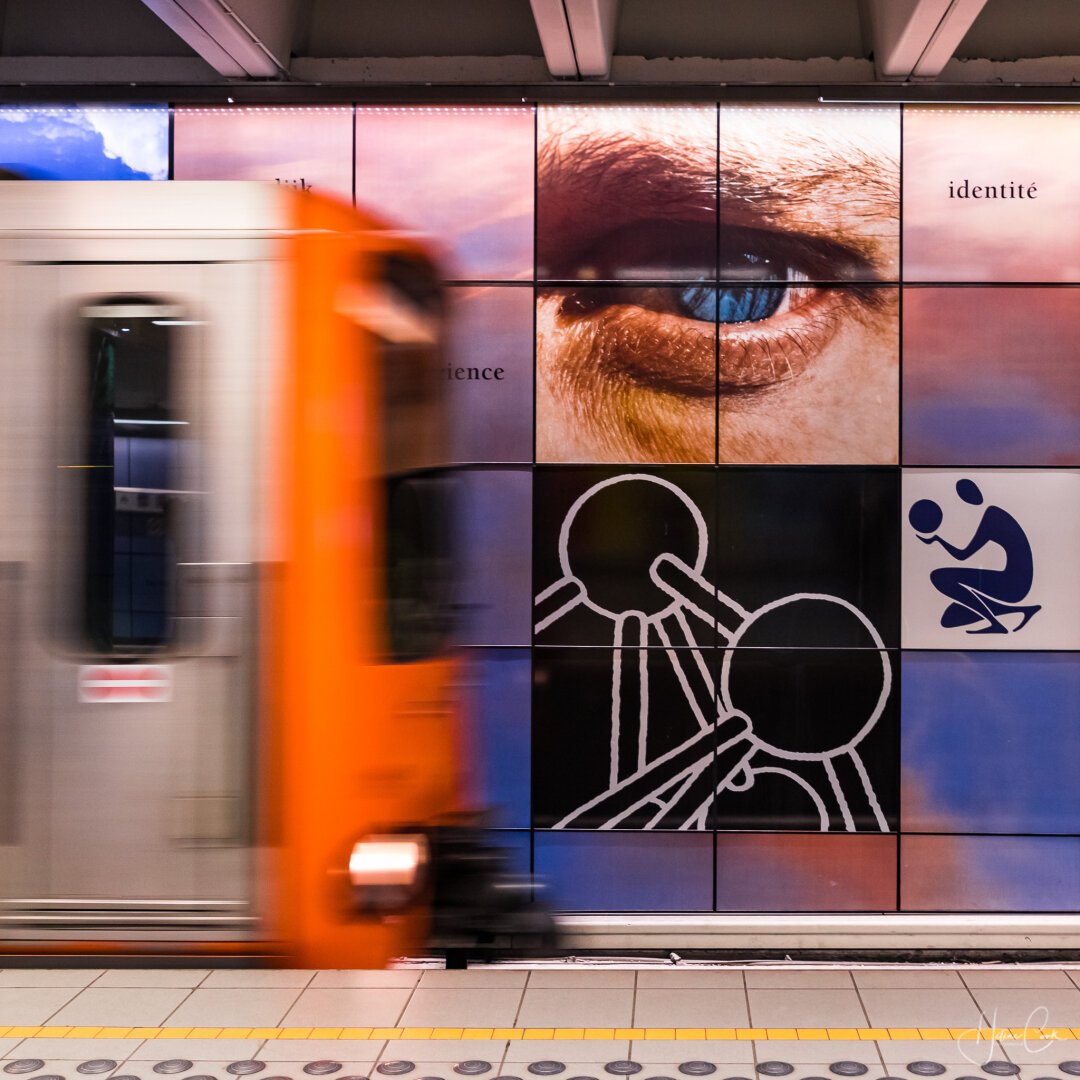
(776,304)
(762,273)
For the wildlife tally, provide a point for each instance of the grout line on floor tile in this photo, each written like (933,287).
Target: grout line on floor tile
(521,1004)
(750,1021)
(60,1009)
(404,1008)
(190,991)
(506,1049)
(134,1050)
(517,1016)
(299,995)
(862,1004)
(984,1020)
(866,1013)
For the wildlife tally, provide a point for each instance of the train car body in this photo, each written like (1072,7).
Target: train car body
(221,582)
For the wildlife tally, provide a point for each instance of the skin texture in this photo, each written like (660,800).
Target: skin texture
(632,372)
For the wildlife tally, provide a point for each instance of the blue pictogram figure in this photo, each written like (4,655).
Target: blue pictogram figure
(980,596)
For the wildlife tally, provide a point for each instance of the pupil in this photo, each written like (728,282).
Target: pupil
(749,303)
(731,303)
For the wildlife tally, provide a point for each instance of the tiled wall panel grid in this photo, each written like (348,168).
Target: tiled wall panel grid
(770,517)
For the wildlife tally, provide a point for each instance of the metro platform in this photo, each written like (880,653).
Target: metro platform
(584,1020)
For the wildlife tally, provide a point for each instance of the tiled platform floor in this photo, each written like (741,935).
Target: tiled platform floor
(566,1021)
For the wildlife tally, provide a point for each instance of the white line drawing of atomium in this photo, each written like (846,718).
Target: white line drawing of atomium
(731,748)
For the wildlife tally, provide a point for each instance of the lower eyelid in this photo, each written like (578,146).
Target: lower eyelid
(669,352)
(757,355)
(662,351)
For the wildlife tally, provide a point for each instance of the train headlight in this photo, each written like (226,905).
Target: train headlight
(388,873)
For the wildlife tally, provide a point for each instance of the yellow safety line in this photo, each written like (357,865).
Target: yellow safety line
(559,1034)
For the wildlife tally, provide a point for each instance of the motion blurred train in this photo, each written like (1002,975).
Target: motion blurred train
(228,707)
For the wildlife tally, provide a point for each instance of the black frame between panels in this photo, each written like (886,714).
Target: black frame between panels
(533,96)
(565,92)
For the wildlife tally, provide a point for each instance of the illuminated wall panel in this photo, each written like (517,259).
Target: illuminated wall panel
(770,484)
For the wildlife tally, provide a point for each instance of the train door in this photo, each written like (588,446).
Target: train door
(131,540)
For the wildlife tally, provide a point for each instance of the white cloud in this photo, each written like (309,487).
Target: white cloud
(138,137)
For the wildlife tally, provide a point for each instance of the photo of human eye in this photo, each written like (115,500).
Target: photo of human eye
(626,374)
(783,350)
(626,193)
(816,382)
(810,190)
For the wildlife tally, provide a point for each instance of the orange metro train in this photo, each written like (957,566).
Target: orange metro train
(229,716)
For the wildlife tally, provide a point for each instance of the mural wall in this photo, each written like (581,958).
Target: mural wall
(768,420)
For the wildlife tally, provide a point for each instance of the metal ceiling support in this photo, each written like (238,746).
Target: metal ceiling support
(554,29)
(915,39)
(238,38)
(592,26)
(578,36)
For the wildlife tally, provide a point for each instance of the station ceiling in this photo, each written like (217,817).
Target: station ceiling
(277,49)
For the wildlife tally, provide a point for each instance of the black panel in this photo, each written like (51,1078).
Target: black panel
(574,733)
(788,531)
(814,711)
(613,539)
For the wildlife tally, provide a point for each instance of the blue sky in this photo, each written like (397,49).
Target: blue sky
(86,142)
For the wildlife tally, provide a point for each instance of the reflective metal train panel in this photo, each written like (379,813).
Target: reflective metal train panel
(131,545)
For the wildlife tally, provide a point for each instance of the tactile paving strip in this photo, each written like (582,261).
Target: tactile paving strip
(560,1034)
(182,1067)
(176,1066)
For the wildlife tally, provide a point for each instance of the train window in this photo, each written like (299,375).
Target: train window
(415,280)
(134,436)
(419,493)
(418,565)
(410,330)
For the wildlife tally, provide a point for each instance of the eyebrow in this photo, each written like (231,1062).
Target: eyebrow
(832,193)
(660,175)
(681,179)
(809,175)
(600,183)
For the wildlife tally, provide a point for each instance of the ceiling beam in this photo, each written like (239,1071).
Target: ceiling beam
(592,26)
(238,39)
(554,29)
(578,36)
(915,39)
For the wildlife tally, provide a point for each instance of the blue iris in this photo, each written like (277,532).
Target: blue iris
(731,303)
